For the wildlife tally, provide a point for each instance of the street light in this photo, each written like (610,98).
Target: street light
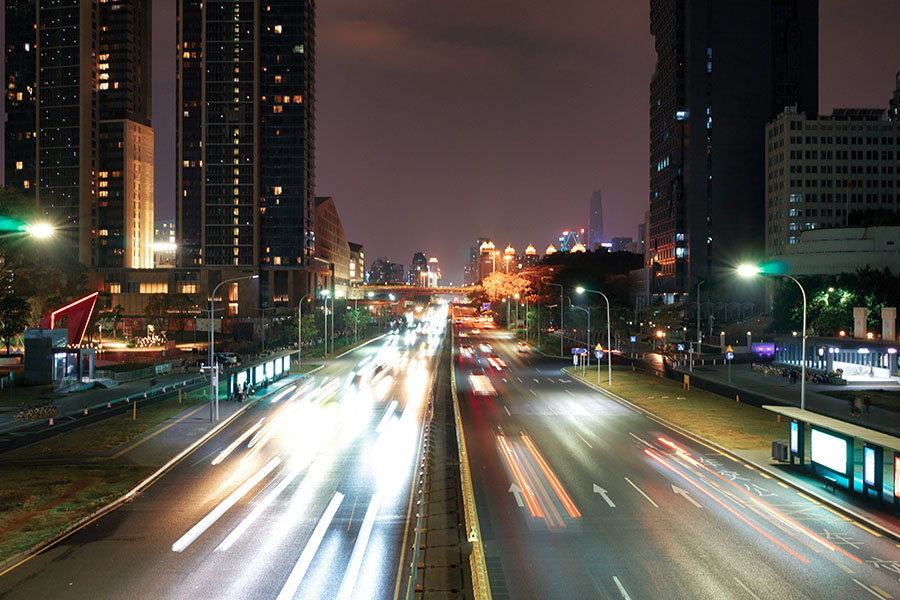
(562,329)
(581,290)
(699,283)
(753,270)
(40,230)
(213,366)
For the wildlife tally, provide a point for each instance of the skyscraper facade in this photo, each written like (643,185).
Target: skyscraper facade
(595,225)
(723,71)
(246,138)
(82,113)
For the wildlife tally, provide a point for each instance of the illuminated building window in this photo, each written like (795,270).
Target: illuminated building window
(115,288)
(233,291)
(26,184)
(276,260)
(188,288)
(277,108)
(154,288)
(232,306)
(278,79)
(277,190)
(278,29)
(298,99)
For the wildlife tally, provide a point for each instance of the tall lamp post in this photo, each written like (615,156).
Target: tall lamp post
(327,294)
(587,358)
(516,296)
(213,366)
(752,270)
(562,329)
(300,331)
(699,283)
(581,290)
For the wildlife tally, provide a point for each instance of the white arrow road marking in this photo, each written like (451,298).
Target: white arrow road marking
(535,379)
(604,494)
(687,495)
(517,492)
(504,379)
(565,381)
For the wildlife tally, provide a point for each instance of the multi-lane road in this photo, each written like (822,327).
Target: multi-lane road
(305,495)
(578,496)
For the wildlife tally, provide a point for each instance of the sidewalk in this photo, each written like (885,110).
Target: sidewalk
(773,389)
(76,402)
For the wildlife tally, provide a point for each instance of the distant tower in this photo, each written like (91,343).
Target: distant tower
(894,111)
(595,233)
(531,256)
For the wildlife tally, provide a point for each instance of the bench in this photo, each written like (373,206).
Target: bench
(831,482)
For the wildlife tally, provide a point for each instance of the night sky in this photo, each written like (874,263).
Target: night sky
(441,122)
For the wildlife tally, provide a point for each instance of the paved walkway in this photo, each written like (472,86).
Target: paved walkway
(76,402)
(779,390)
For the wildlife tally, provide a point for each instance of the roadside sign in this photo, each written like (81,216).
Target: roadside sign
(598,354)
(598,347)
(579,350)
(633,339)
(729,355)
(680,347)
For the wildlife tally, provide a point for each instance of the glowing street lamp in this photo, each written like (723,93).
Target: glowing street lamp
(40,230)
(753,270)
(581,290)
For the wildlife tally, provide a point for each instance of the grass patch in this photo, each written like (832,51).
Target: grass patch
(719,419)
(38,502)
(884,399)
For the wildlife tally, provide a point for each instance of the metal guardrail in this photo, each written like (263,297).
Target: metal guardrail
(480,585)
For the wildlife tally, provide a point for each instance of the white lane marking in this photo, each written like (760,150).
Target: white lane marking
(642,492)
(312,546)
(868,589)
(641,440)
(682,492)
(504,379)
(550,408)
(520,379)
(550,379)
(604,494)
(535,379)
(258,510)
(206,522)
(359,549)
(621,588)
(584,440)
(565,381)
(532,391)
(387,415)
(506,408)
(569,392)
(746,589)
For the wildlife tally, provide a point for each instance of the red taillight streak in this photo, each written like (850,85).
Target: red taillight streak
(551,477)
(530,500)
(784,518)
(658,459)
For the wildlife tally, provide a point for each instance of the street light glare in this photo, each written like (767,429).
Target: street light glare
(748,270)
(40,230)
(579,290)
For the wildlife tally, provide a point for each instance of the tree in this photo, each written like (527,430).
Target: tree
(14,318)
(181,311)
(309,330)
(357,320)
(157,312)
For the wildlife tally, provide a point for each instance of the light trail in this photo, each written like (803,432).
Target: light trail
(768,536)
(312,546)
(359,549)
(387,415)
(551,477)
(206,522)
(233,445)
(530,500)
(258,510)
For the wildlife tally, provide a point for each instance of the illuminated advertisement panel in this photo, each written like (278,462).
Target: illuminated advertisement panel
(258,374)
(278,364)
(241,378)
(287,363)
(869,465)
(896,476)
(270,369)
(829,450)
(795,438)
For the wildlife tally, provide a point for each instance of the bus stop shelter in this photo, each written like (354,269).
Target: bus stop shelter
(844,454)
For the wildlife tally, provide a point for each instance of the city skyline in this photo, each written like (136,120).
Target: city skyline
(354,175)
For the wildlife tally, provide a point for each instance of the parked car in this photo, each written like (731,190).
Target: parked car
(522,347)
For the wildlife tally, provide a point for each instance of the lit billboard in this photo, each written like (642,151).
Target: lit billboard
(829,450)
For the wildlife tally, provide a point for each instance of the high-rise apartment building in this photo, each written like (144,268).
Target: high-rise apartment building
(81,110)
(723,71)
(595,224)
(836,171)
(894,105)
(246,139)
